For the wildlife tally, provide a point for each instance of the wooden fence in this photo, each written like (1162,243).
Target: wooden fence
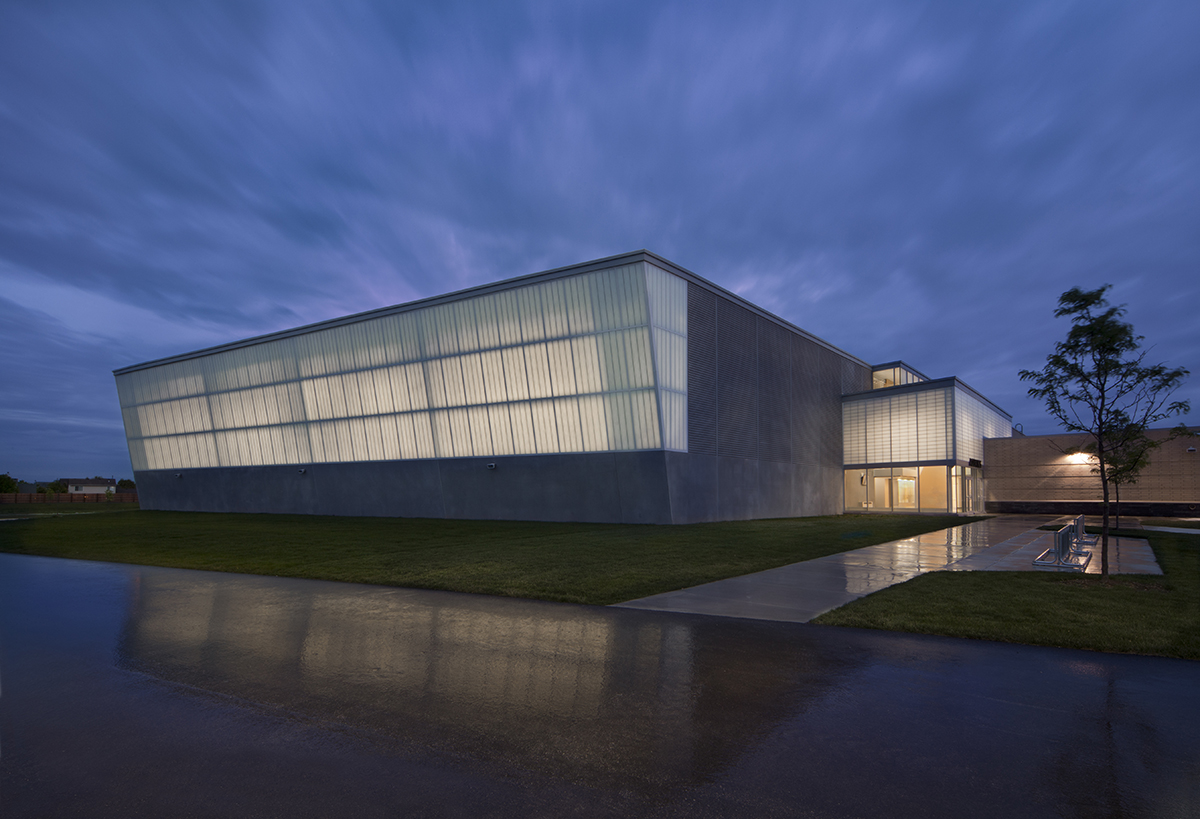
(63,497)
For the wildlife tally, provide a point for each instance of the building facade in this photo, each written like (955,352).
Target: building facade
(622,390)
(89,486)
(916,445)
(1041,473)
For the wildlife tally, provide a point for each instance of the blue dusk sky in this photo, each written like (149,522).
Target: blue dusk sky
(915,181)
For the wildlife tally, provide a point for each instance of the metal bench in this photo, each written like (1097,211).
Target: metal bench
(1064,554)
(1082,538)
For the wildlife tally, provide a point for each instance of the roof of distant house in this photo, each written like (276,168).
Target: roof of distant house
(90,481)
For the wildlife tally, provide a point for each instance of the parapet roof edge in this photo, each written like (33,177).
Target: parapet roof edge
(700,281)
(1065,434)
(927,385)
(483,290)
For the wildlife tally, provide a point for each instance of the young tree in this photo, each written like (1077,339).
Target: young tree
(1126,462)
(1096,382)
(8,483)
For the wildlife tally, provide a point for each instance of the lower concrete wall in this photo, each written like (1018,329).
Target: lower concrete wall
(627,487)
(1133,509)
(707,488)
(609,487)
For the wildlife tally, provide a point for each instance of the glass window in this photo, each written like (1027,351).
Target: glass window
(904,488)
(933,488)
(856,490)
(879,489)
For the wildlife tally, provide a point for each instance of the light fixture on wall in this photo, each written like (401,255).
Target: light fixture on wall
(302,471)
(1079,457)
(178,474)
(1191,450)
(491,466)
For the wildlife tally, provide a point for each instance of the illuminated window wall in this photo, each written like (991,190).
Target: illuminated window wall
(914,426)
(588,363)
(894,375)
(917,450)
(974,421)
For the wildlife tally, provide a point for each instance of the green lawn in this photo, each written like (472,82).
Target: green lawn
(579,563)
(18,510)
(1128,613)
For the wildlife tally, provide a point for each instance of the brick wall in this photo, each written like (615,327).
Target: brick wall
(1035,469)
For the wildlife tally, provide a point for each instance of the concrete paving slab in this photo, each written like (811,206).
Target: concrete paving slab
(1125,556)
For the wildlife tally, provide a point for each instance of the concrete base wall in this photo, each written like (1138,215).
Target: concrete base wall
(706,488)
(609,487)
(1132,509)
(627,487)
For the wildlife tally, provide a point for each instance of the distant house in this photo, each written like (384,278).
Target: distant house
(89,486)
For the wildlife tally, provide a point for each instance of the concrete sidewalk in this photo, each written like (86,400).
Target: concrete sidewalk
(1125,555)
(801,591)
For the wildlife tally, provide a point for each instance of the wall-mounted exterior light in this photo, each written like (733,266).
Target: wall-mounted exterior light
(1079,458)
(1191,450)
(302,471)
(491,466)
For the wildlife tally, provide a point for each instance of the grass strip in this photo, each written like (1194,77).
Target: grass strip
(1131,614)
(1173,523)
(21,510)
(569,562)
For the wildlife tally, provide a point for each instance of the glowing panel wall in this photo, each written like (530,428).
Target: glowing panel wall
(914,426)
(587,363)
(974,421)
(941,423)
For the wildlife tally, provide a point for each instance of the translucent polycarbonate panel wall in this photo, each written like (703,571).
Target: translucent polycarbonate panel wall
(898,428)
(667,298)
(567,365)
(974,421)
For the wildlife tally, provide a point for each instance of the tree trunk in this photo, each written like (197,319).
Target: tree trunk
(1104,524)
(1118,507)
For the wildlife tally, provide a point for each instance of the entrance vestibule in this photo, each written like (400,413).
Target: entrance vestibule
(939,488)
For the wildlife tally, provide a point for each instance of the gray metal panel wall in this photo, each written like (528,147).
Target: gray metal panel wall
(702,371)
(737,381)
(774,392)
(766,402)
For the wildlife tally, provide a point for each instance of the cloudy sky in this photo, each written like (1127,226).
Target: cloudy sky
(906,180)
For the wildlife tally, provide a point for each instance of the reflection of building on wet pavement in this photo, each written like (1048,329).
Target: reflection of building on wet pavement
(595,690)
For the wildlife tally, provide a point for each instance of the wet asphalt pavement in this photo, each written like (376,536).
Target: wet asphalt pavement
(130,691)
